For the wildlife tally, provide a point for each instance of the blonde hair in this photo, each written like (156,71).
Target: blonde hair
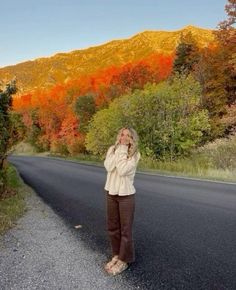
(133,147)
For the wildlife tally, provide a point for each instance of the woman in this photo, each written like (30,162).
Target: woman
(121,163)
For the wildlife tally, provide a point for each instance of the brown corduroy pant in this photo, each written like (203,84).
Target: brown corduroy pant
(120,216)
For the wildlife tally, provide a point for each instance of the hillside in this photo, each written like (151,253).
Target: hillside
(45,72)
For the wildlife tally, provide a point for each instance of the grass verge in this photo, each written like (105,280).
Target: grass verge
(14,206)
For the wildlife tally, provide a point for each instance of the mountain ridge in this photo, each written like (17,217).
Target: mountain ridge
(47,71)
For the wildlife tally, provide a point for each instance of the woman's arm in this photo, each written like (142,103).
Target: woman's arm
(109,162)
(125,166)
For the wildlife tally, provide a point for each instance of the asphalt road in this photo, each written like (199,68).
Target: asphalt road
(184,229)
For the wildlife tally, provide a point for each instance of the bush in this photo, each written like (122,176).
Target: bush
(221,153)
(166,116)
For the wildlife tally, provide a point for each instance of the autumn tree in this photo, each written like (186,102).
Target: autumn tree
(130,78)
(226,36)
(216,72)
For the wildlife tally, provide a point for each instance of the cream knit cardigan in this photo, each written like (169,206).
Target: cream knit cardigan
(120,171)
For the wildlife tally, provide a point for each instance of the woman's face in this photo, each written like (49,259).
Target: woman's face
(125,137)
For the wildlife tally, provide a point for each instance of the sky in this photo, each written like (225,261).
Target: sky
(30,29)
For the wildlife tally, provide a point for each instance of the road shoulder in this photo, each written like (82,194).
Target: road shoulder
(41,252)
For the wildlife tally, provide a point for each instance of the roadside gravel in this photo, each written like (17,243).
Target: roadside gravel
(42,252)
